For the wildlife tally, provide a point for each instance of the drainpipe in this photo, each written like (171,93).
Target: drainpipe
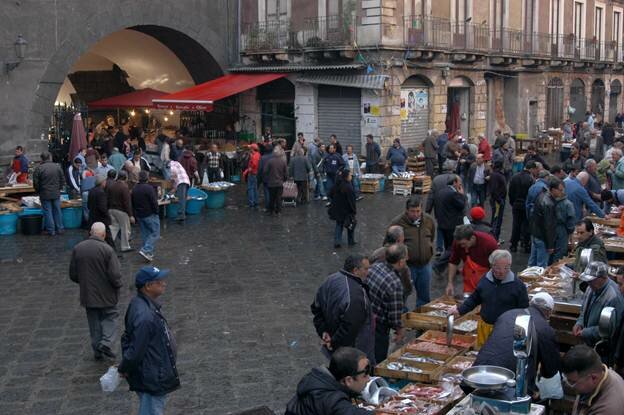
(238,32)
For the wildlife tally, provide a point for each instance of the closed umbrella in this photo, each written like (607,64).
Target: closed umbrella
(78,137)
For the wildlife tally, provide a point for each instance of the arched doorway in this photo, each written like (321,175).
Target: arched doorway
(414,111)
(615,91)
(598,98)
(577,101)
(554,103)
(458,105)
(277,103)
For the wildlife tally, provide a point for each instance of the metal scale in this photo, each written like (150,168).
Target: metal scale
(498,390)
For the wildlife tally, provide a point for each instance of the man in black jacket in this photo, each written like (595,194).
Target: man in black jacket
(543,223)
(329,390)
(497,188)
(498,350)
(148,346)
(342,310)
(450,205)
(48,181)
(95,267)
(98,207)
(145,205)
(518,190)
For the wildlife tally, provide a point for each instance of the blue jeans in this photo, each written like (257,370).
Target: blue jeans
(539,255)
(398,169)
(150,232)
(421,278)
(267,196)
(181,192)
(52,218)
(439,241)
(356,185)
(329,184)
(478,195)
(151,404)
(338,234)
(85,206)
(319,189)
(252,190)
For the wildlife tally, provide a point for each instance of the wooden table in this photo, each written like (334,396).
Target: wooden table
(520,144)
(13,190)
(613,222)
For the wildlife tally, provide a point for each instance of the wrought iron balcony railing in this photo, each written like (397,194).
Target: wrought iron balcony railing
(330,31)
(267,36)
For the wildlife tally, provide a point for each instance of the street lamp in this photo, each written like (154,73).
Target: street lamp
(20,50)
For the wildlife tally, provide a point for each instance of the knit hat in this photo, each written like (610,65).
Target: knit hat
(477,213)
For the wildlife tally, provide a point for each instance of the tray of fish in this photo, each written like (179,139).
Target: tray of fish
(458,340)
(425,321)
(411,366)
(458,364)
(430,349)
(465,326)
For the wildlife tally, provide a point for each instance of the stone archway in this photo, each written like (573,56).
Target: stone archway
(181,26)
(415,110)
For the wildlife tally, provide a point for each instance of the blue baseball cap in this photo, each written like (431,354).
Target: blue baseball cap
(149,274)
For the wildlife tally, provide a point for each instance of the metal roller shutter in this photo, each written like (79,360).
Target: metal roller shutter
(339,113)
(414,113)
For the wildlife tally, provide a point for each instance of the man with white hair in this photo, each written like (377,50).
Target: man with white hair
(95,267)
(498,291)
(577,194)
(593,183)
(617,169)
(498,350)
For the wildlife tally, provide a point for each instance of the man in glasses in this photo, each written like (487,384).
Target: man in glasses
(600,389)
(498,291)
(329,390)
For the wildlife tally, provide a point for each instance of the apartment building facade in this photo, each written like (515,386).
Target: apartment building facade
(398,68)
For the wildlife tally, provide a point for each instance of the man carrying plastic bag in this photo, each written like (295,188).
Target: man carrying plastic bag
(148,346)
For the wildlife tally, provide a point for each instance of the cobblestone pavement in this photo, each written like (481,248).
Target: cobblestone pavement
(238,301)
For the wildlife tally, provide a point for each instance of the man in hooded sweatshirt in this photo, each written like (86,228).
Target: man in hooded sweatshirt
(329,390)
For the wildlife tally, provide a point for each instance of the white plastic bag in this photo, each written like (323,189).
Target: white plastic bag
(110,380)
(550,388)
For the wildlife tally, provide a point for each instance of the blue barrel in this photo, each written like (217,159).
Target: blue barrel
(215,200)
(8,224)
(31,211)
(196,202)
(382,184)
(172,210)
(72,217)
(235,178)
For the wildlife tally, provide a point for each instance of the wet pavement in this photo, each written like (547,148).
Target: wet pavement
(238,301)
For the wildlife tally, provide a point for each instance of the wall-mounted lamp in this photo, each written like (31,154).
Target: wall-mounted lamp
(446,72)
(20,50)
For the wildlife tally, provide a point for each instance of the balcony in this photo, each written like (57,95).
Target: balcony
(440,34)
(328,32)
(267,36)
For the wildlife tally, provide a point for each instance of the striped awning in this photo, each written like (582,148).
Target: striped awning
(347,80)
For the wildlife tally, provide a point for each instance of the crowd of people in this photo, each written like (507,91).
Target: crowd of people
(357,311)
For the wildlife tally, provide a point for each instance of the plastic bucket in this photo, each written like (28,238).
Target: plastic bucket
(31,211)
(196,202)
(215,200)
(382,184)
(172,210)
(31,224)
(72,217)
(235,178)
(8,224)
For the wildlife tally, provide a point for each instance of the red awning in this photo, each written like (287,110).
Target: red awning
(201,97)
(141,98)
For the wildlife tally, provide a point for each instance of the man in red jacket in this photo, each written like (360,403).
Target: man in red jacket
(251,175)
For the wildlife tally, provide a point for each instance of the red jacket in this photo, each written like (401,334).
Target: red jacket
(252,167)
(485,149)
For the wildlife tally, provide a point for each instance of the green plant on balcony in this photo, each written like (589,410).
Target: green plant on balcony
(270,40)
(314,42)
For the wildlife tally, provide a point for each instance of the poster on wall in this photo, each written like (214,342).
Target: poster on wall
(412,101)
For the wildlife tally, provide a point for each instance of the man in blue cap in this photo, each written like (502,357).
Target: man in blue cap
(148,346)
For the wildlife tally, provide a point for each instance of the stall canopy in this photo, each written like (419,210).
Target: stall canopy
(141,98)
(202,97)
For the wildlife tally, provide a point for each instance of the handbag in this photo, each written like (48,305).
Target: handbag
(350,222)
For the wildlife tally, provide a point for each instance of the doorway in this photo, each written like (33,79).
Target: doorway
(458,110)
